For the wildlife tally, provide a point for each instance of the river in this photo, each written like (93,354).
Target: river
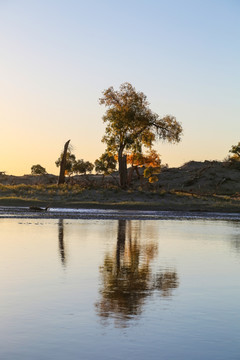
(108,288)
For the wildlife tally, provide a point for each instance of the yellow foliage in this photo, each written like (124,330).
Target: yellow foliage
(151,159)
(153,179)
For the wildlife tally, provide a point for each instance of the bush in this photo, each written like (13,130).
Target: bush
(38,170)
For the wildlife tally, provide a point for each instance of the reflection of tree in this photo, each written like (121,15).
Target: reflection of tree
(235,242)
(61,241)
(127,278)
(234,237)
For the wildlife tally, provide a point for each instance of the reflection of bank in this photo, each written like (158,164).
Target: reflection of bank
(61,241)
(127,279)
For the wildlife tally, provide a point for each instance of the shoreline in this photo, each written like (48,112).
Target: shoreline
(115,199)
(132,205)
(112,214)
(171,206)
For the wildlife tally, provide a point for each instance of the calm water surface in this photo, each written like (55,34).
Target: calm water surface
(114,289)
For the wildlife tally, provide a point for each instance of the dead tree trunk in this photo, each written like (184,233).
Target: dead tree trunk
(61,179)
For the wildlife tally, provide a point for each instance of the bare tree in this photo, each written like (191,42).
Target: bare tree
(61,179)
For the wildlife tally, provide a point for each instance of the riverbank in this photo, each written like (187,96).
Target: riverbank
(118,199)
(195,186)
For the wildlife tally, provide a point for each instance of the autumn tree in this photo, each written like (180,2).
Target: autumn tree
(150,162)
(131,124)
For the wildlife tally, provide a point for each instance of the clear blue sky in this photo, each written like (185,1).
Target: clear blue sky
(56,58)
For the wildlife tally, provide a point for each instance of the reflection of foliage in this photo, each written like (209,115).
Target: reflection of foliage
(127,278)
(61,241)
(235,240)
(165,282)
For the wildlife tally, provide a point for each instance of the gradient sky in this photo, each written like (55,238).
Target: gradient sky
(56,58)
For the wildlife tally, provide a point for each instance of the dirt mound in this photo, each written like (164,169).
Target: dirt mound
(28,179)
(202,177)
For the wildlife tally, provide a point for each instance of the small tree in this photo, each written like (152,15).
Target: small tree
(150,173)
(235,150)
(105,165)
(234,159)
(69,164)
(150,161)
(82,167)
(38,170)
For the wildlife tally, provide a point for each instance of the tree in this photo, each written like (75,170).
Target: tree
(127,277)
(234,159)
(150,173)
(69,164)
(235,150)
(38,170)
(150,161)
(131,125)
(82,167)
(105,165)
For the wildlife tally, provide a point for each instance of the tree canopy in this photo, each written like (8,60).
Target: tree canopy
(82,167)
(131,124)
(150,161)
(106,164)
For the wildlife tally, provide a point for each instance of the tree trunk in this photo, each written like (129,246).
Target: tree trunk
(61,179)
(130,175)
(122,163)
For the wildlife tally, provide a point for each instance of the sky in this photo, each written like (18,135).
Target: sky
(57,57)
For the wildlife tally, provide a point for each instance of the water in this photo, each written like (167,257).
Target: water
(113,289)
(69,213)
